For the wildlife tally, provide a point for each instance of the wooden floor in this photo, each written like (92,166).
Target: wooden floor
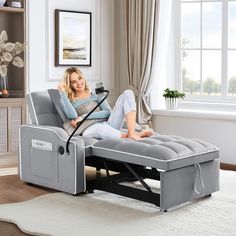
(12,190)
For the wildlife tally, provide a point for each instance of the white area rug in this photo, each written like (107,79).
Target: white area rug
(107,214)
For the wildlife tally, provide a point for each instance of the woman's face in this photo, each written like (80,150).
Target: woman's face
(77,82)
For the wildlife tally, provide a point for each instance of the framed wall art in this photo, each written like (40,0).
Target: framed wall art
(73,33)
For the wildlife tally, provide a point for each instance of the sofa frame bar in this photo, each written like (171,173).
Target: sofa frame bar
(112,183)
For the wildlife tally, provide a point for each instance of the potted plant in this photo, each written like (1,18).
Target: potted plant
(172,97)
(9,53)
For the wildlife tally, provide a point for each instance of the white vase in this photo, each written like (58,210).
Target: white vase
(2,2)
(171,103)
(4,86)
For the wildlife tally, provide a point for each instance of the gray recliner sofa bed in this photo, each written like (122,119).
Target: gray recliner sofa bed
(186,168)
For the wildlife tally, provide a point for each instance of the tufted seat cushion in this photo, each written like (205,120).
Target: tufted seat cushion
(164,152)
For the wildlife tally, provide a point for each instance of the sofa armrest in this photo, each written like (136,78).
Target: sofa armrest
(42,162)
(60,132)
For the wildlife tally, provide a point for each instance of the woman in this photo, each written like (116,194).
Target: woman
(75,92)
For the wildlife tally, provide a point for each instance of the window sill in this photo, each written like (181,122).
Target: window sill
(203,114)
(226,106)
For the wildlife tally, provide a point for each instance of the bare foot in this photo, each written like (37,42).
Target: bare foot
(124,135)
(134,136)
(145,133)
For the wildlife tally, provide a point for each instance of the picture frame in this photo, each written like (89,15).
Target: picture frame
(73,38)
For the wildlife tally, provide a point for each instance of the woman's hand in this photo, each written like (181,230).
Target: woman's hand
(61,87)
(75,121)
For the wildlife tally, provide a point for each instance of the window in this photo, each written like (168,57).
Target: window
(206,49)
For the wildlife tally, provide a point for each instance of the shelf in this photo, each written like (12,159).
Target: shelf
(11,9)
(12,108)
(13,94)
(11,100)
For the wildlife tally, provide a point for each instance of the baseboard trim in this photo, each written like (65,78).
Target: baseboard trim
(8,160)
(227,166)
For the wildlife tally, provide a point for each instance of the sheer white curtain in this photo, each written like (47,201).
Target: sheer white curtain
(163,68)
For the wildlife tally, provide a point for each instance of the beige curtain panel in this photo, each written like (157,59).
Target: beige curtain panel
(140,17)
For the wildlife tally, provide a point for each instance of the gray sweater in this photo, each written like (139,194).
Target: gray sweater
(70,107)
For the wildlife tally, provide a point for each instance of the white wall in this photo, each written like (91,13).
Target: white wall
(42,74)
(219,131)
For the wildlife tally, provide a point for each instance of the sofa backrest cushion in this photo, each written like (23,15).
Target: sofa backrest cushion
(42,110)
(56,99)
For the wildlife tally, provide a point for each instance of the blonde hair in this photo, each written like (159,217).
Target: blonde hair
(69,90)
